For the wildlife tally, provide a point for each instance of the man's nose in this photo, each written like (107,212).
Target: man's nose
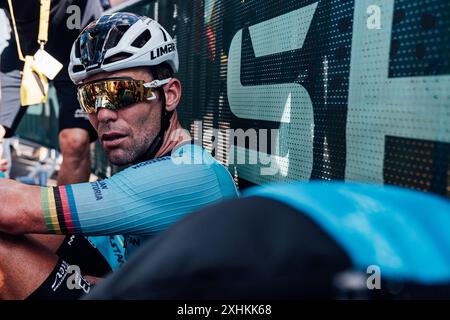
(106,115)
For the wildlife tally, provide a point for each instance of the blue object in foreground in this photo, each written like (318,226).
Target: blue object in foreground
(404,232)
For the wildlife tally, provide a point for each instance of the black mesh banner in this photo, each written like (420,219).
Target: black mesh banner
(282,90)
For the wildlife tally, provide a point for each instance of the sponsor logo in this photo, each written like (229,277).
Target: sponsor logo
(145,163)
(158,52)
(61,274)
(79,113)
(71,239)
(96,187)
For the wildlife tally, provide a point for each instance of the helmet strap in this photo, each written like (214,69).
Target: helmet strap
(165,122)
(158,141)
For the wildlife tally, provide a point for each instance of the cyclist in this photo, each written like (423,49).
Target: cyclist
(166,179)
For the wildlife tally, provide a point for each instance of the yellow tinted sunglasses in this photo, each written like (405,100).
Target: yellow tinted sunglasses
(116,93)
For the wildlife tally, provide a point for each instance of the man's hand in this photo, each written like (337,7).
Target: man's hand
(20,208)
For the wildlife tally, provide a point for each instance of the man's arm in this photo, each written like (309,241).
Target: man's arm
(144,199)
(20,208)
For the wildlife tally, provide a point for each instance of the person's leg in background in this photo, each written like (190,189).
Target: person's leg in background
(11,113)
(76,166)
(75,136)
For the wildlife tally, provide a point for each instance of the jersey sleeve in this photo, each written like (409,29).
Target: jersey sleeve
(141,200)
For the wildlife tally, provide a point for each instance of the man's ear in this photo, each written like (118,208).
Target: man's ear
(173,94)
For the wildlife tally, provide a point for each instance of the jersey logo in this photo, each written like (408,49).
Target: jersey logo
(145,163)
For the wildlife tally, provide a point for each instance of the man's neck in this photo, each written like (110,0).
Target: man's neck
(174,136)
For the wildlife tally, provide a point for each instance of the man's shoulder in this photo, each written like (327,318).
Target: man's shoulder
(181,156)
(188,163)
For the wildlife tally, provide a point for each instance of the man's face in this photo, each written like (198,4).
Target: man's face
(126,134)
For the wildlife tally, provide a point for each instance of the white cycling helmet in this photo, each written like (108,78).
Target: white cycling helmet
(119,41)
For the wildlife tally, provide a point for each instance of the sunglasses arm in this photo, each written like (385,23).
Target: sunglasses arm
(157,83)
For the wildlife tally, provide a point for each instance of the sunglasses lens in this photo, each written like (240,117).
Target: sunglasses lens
(86,102)
(113,94)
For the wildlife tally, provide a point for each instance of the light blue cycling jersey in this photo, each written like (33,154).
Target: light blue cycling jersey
(140,201)
(111,247)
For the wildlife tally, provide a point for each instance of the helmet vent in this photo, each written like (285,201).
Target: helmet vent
(123,28)
(115,35)
(117,57)
(140,41)
(77,49)
(164,34)
(77,68)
